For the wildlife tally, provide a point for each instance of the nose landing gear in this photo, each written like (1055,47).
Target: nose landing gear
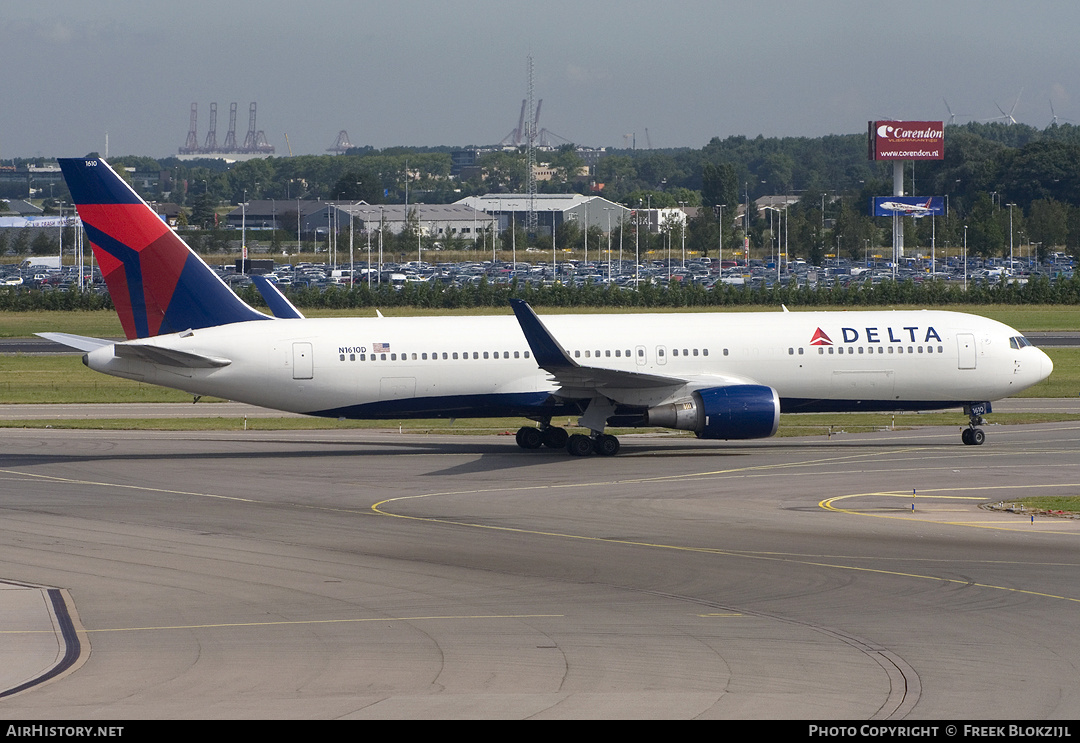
(973,435)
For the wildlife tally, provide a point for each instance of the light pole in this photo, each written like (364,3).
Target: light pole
(1010,205)
(720,210)
(965,257)
(243,234)
(609,209)
(682,206)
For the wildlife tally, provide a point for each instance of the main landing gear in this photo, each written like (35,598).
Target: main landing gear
(552,437)
(973,435)
(579,445)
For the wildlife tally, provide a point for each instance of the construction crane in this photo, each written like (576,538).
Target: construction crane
(191,146)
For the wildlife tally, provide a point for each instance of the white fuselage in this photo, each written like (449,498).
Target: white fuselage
(476,366)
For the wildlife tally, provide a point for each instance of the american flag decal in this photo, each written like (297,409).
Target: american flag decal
(380,347)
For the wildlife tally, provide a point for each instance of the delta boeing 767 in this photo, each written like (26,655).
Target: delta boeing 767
(721,375)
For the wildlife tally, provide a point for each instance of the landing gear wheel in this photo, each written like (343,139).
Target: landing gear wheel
(579,445)
(529,438)
(977,437)
(965,436)
(606,445)
(555,437)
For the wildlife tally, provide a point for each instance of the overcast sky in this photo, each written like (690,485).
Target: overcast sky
(407,72)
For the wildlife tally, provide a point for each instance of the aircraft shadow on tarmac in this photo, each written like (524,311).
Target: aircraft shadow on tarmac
(487,457)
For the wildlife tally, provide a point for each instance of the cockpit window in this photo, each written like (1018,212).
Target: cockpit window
(1018,341)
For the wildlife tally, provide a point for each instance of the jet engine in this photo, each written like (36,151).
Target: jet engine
(741,411)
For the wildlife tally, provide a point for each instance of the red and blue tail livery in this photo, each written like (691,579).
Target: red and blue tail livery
(157,283)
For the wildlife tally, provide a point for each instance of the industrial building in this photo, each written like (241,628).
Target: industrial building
(552,210)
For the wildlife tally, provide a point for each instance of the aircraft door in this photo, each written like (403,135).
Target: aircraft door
(965,343)
(639,356)
(303,367)
(661,355)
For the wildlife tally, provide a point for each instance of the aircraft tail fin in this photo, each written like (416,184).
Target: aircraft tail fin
(157,283)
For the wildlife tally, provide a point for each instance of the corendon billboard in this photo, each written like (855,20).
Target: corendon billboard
(907,140)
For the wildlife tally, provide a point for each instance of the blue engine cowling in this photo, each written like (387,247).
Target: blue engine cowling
(744,411)
(741,411)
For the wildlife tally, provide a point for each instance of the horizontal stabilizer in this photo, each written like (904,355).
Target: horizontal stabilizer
(167,356)
(78,342)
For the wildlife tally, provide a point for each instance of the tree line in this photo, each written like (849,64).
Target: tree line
(987,166)
(935,293)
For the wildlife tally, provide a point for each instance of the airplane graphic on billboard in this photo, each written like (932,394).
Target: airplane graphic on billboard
(909,206)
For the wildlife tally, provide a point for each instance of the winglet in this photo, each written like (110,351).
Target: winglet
(277,302)
(547,351)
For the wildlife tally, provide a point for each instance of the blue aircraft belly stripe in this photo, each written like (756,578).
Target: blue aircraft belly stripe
(808,405)
(455,406)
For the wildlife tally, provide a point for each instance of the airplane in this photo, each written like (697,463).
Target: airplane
(723,376)
(899,206)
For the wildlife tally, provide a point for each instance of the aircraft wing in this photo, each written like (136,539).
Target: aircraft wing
(575,379)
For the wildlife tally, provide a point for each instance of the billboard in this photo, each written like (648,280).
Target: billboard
(907,206)
(906,140)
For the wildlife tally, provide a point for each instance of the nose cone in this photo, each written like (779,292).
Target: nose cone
(1046,367)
